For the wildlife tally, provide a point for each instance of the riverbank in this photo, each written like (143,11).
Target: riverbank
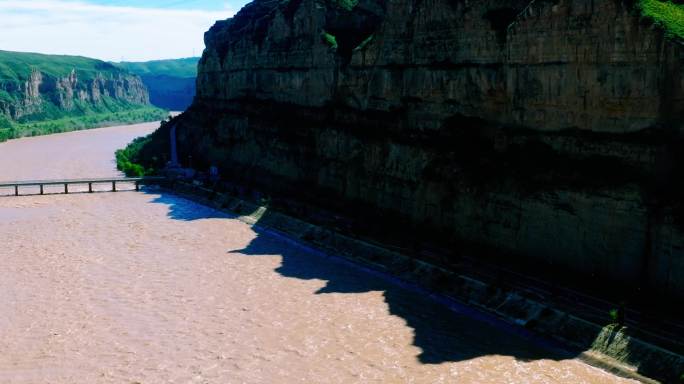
(628,351)
(11,130)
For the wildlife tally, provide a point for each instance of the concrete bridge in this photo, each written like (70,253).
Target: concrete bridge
(17,187)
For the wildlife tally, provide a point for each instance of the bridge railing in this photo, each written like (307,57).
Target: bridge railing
(17,186)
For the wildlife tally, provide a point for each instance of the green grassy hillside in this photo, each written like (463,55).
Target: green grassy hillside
(100,94)
(183,68)
(667,14)
(18,65)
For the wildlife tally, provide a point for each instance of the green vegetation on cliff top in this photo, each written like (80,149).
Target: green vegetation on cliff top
(666,14)
(15,66)
(330,40)
(184,68)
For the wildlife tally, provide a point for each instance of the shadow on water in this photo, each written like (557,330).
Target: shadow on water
(444,331)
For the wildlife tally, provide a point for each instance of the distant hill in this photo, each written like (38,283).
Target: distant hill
(171,82)
(18,66)
(52,93)
(183,68)
(38,87)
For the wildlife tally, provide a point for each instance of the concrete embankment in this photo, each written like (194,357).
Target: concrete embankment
(626,351)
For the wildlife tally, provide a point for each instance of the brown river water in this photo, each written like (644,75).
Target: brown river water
(147,287)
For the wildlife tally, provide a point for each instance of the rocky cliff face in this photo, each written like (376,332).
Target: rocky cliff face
(549,65)
(548,130)
(46,96)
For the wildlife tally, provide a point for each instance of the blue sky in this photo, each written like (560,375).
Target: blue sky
(174,4)
(168,4)
(111,30)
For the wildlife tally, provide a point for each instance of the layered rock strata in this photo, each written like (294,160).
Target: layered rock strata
(44,94)
(546,131)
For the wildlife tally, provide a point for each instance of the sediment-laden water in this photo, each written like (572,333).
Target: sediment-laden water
(151,288)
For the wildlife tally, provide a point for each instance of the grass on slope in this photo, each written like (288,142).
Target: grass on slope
(665,13)
(15,66)
(175,68)
(10,130)
(107,105)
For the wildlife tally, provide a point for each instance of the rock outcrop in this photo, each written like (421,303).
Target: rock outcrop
(42,94)
(548,131)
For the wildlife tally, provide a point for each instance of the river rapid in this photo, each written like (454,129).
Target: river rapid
(147,287)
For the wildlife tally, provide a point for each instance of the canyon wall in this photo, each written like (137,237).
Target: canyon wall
(34,87)
(171,83)
(546,132)
(171,93)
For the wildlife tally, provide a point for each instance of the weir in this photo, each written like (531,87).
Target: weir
(19,186)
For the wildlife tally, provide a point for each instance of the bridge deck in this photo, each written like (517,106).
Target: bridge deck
(41,184)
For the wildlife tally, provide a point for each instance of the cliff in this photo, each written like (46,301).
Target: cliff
(36,87)
(543,135)
(171,83)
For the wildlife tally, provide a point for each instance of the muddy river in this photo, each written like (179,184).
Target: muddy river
(146,287)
